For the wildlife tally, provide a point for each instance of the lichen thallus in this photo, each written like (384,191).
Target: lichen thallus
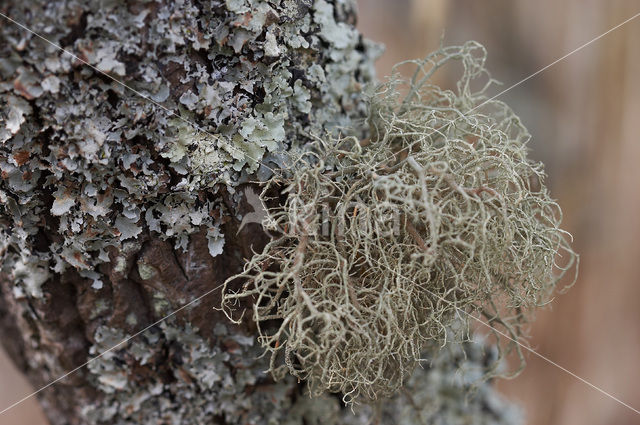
(439,211)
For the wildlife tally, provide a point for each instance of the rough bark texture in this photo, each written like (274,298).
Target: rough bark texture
(115,213)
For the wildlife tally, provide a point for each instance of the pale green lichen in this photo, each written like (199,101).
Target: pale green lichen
(340,34)
(145,271)
(382,244)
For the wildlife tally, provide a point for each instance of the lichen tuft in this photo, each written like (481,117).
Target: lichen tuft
(382,243)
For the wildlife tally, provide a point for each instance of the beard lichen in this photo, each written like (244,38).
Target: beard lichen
(381,244)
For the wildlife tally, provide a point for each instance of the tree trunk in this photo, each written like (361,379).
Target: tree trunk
(115,212)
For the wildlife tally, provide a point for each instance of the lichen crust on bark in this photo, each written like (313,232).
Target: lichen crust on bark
(114,212)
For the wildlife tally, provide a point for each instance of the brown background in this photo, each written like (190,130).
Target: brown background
(584,114)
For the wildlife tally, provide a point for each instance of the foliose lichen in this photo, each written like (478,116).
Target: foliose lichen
(91,171)
(105,165)
(233,385)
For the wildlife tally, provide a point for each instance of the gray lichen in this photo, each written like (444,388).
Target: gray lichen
(207,382)
(111,164)
(447,390)
(89,170)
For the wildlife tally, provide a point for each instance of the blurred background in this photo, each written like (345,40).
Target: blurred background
(584,115)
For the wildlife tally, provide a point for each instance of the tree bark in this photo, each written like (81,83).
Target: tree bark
(115,213)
